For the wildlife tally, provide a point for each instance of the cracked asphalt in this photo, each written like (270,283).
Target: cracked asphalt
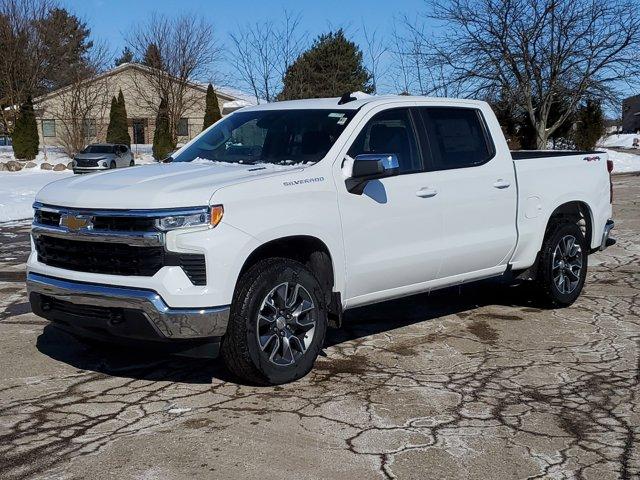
(472,382)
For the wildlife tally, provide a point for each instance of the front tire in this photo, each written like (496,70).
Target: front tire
(277,324)
(562,266)
(112,165)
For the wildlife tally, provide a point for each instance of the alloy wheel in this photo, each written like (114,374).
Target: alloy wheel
(566,264)
(286,323)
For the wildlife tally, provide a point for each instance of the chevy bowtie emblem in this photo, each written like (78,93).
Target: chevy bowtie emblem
(76,222)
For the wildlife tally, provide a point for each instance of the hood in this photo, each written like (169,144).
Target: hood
(164,185)
(91,156)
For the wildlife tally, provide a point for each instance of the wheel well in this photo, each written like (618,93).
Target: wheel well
(310,251)
(573,212)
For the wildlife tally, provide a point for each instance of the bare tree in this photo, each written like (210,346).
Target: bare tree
(262,53)
(23,59)
(374,51)
(184,50)
(80,104)
(534,52)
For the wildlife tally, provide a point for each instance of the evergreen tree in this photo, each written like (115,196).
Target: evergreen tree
(589,125)
(118,130)
(152,57)
(331,67)
(113,113)
(125,57)
(162,142)
(25,133)
(211,109)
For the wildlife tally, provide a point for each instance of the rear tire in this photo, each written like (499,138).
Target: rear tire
(562,266)
(132,163)
(275,300)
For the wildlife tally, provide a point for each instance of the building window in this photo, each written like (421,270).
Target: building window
(89,127)
(48,128)
(183,127)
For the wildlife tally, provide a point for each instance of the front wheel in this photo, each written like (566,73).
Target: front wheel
(562,267)
(112,165)
(277,325)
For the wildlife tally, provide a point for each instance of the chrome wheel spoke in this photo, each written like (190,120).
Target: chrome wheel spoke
(566,264)
(286,323)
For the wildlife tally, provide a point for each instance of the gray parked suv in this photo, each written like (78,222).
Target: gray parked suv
(102,156)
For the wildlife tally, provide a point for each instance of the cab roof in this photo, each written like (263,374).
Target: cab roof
(332,103)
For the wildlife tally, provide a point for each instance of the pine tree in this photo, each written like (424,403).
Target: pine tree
(118,129)
(123,122)
(113,113)
(125,57)
(589,125)
(331,67)
(25,133)
(162,143)
(211,109)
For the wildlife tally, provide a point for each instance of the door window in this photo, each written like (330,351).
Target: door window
(457,136)
(390,132)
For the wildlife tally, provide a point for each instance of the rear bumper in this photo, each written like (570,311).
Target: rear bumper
(607,240)
(122,313)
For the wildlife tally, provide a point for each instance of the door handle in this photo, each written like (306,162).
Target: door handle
(500,183)
(426,192)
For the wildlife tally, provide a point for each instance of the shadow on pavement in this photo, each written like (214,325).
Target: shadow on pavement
(152,365)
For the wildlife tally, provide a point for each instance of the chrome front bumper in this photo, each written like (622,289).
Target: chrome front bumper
(169,323)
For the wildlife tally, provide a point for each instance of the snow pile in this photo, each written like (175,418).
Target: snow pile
(624,162)
(18,191)
(623,140)
(52,155)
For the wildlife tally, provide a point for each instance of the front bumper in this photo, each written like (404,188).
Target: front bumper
(89,169)
(121,312)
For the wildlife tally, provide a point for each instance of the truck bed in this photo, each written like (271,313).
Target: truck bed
(529,154)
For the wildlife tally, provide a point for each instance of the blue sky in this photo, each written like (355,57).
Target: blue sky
(108,19)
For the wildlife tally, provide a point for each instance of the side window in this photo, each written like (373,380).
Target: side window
(390,132)
(457,136)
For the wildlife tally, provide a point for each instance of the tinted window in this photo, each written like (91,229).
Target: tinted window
(457,137)
(270,136)
(390,132)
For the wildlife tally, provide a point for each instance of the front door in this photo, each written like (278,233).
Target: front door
(393,231)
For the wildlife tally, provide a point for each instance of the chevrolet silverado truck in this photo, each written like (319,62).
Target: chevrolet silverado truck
(259,233)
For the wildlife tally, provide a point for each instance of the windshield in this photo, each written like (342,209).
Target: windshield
(282,137)
(98,149)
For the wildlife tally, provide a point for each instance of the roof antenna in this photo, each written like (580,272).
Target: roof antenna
(346,98)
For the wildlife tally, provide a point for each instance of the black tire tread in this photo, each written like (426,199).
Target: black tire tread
(235,352)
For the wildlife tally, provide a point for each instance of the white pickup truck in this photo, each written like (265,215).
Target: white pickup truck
(259,233)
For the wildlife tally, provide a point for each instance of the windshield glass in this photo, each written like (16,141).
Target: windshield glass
(282,137)
(98,149)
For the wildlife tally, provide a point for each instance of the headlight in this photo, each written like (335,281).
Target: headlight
(210,216)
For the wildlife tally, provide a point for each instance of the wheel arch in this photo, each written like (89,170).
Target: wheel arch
(312,252)
(574,211)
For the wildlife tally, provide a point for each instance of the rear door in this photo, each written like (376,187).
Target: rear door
(477,187)
(393,231)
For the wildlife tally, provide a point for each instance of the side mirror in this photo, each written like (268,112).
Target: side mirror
(370,166)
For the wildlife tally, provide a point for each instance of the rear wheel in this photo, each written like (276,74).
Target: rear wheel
(277,325)
(562,267)
(132,163)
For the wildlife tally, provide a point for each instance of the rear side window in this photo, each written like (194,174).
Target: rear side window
(390,132)
(458,137)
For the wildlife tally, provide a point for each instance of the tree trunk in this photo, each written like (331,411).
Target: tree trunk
(542,137)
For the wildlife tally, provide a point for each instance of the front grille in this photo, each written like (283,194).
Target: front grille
(99,257)
(116,258)
(123,224)
(45,217)
(86,163)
